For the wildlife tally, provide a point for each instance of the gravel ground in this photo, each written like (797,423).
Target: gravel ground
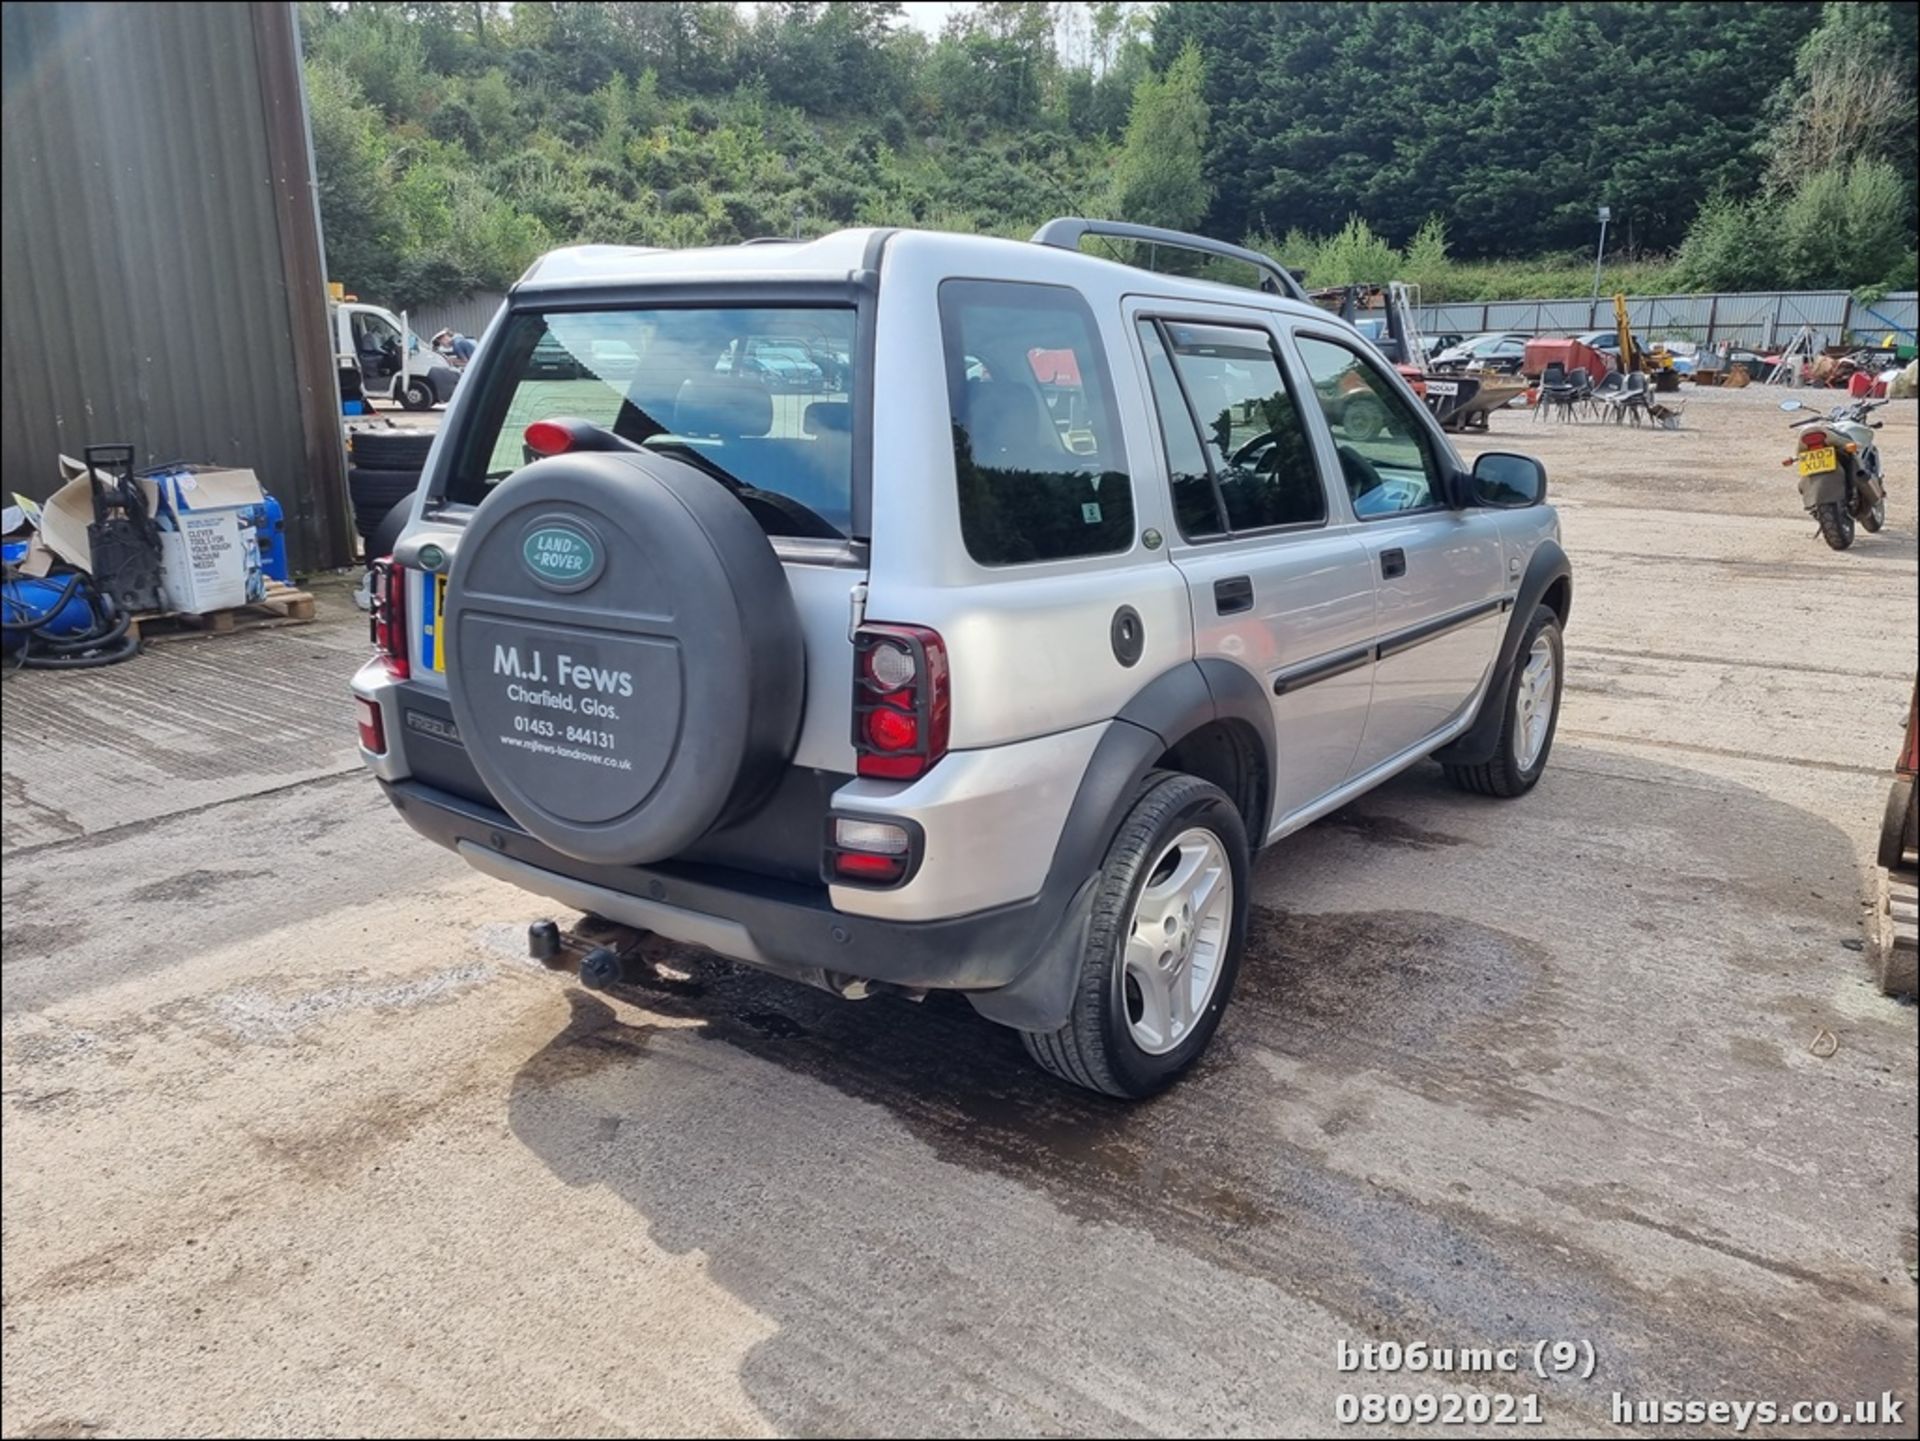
(298,1141)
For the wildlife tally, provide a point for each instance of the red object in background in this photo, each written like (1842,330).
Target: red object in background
(1054,367)
(1570,353)
(1859,385)
(1411,374)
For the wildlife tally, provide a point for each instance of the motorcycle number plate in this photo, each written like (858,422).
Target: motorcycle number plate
(1816,462)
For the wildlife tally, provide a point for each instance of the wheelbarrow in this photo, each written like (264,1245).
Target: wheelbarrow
(1463,402)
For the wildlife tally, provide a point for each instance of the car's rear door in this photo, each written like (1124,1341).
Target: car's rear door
(1440,573)
(1279,581)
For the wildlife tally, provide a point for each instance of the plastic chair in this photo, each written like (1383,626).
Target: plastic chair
(1631,403)
(1601,399)
(1557,391)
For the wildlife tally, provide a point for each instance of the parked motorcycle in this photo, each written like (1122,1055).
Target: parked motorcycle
(1839,465)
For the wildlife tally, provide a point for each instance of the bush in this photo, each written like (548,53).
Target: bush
(1355,256)
(1728,247)
(683,200)
(1425,262)
(1842,228)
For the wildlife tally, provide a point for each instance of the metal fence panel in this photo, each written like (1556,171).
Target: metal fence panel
(1898,313)
(1760,320)
(1452,319)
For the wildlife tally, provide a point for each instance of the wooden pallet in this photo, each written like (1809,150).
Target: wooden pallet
(283,605)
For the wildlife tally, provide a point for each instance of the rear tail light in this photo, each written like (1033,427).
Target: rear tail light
(373,727)
(389,615)
(901,700)
(1812,439)
(865,852)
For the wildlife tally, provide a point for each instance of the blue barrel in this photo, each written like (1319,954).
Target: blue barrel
(270,528)
(29,599)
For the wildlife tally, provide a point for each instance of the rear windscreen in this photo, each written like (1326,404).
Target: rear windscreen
(760,398)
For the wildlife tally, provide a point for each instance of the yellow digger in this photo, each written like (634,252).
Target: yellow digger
(1654,359)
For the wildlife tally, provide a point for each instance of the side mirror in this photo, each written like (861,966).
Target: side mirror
(1792,405)
(1504,481)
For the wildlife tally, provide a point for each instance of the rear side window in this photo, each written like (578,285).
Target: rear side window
(1037,453)
(1257,469)
(760,398)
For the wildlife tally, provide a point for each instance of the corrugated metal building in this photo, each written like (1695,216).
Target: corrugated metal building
(163,274)
(469,315)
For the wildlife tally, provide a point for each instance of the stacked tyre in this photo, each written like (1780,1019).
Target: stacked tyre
(384,474)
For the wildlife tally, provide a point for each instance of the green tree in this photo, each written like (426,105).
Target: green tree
(1160,178)
(1851,96)
(1513,120)
(357,214)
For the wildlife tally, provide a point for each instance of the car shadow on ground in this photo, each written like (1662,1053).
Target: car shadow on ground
(846,1231)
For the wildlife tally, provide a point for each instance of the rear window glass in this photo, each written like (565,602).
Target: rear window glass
(761,398)
(1036,444)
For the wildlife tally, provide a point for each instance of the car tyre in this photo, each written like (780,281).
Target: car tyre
(392,448)
(386,535)
(1531,714)
(417,394)
(1109,1041)
(376,492)
(1364,418)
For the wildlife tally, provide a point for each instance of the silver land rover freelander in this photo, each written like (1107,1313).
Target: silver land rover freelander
(975,645)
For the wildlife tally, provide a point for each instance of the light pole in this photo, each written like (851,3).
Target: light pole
(1600,254)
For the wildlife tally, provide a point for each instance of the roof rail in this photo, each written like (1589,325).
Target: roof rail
(1068,231)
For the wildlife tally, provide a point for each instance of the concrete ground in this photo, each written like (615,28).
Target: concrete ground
(297,1140)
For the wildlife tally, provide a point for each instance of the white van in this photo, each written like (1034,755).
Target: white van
(394,363)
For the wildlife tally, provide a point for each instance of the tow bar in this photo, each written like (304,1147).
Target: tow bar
(601,952)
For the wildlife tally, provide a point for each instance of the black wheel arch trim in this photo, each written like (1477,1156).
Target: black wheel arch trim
(1548,566)
(1170,707)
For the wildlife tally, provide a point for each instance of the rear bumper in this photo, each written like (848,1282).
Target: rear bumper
(777,925)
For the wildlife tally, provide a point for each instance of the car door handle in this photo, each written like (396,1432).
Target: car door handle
(1393,563)
(1233,595)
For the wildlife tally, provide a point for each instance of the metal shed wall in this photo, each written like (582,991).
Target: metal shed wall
(470,315)
(163,281)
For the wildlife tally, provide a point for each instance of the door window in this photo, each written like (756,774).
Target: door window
(1386,456)
(1037,453)
(1238,455)
(372,335)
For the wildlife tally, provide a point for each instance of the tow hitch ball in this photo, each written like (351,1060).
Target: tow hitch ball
(601,969)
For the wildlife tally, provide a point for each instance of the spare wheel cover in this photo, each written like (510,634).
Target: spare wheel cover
(624,659)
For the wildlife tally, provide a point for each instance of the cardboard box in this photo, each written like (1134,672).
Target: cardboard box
(190,488)
(203,563)
(188,493)
(208,559)
(66,514)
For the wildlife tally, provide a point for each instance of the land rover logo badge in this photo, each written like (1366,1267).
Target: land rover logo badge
(562,555)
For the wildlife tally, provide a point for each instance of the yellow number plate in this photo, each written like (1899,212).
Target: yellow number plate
(1814,462)
(433,630)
